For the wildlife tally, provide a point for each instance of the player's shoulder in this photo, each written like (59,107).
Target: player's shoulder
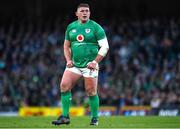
(72,24)
(94,23)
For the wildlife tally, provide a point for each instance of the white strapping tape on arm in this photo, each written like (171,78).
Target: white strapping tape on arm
(104,46)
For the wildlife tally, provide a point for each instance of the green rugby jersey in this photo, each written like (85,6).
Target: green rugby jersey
(84,41)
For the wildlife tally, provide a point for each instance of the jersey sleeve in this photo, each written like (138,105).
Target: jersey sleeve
(99,32)
(67,33)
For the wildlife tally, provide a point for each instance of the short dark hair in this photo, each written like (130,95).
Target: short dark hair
(83,5)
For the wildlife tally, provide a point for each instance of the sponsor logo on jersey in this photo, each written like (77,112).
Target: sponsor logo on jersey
(74,31)
(87,30)
(80,38)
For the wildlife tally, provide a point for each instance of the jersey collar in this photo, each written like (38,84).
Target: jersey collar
(83,23)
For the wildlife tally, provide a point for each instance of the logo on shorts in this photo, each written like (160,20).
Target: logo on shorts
(80,38)
(87,30)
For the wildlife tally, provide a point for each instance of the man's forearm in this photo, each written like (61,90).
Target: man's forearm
(104,47)
(67,53)
(67,50)
(98,58)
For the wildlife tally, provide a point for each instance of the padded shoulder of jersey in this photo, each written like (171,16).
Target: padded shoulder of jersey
(72,24)
(93,22)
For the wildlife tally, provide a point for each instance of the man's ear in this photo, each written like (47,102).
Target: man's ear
(76,13)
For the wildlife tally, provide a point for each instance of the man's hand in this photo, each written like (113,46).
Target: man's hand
(69,64)
(93,65)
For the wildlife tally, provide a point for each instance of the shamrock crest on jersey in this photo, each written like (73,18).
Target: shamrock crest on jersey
(87,30)
(80,38)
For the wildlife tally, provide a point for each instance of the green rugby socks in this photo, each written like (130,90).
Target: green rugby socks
(66,98)
(94,105)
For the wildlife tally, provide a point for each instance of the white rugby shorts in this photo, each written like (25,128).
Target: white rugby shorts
(85,72)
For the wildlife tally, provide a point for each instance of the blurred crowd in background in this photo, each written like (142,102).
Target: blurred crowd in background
(141,68)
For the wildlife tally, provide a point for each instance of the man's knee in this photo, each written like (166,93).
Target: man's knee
(91,91)
(65,86)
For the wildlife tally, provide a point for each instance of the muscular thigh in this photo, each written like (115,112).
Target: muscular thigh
(68,80)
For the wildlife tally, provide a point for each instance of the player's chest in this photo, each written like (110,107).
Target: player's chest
(81,34)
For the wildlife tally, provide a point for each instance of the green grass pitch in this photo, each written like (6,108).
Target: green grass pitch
(150,122)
